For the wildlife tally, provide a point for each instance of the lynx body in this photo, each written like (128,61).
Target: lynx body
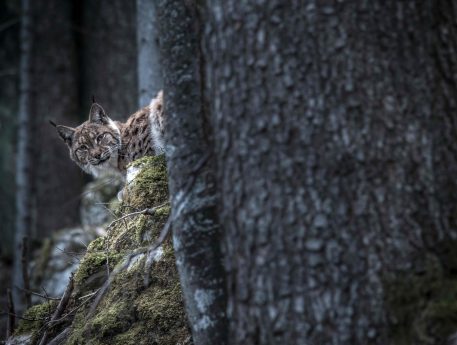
(101,145)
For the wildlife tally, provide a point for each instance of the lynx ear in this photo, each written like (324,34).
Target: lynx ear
(97,114)
(66,133)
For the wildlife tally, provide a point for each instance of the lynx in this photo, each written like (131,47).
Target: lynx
(101,145)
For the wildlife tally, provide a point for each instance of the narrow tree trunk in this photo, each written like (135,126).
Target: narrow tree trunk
(148,65)
(196,235)
(334,133)
(23,157)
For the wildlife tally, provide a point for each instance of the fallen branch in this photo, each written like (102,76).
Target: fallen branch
(60,308)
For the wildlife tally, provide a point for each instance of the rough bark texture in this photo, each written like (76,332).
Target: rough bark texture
(148,66)
(334,131)
(195,231)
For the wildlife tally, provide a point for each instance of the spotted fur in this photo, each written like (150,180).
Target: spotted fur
(101,145)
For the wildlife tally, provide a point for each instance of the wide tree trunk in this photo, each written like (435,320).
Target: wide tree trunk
(335,147)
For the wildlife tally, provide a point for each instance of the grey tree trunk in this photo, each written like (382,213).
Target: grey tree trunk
(24,154)
(148,65)
(108,52)
(335,147)
(196,232)
(55,97)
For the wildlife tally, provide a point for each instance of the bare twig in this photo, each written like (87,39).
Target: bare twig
(11,315)
(73,255)
(146,212)
(38,294)
(25,271)
(60,308)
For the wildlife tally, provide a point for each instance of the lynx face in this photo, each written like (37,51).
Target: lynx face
(95,144)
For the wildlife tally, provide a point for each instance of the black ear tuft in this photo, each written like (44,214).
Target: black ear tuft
(52,123)
(66,133)
(97,114)
(93,99)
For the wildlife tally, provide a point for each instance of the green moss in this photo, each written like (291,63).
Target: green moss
(131,312)
(96,245)
(38,313)
(92,271)
(114,318)
(150,186)
(422,303)
(161,306)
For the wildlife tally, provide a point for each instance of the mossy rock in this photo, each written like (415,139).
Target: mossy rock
(139,307)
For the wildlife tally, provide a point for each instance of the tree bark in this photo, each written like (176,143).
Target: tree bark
(148,65)
(196,235)
(334,139)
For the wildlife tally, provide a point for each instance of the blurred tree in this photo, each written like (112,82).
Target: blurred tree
(108,52)
(334,154)
(24,154)
(46,198)
(9,62)
(148,66)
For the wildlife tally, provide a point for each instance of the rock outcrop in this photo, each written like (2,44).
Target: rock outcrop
(142,304)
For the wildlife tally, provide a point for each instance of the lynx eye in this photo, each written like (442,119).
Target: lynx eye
(101,137)
(82,148)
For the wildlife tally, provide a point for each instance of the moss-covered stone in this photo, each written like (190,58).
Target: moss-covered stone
(422,303)
(139,307)
(94,267)
(35,317)
(150,186)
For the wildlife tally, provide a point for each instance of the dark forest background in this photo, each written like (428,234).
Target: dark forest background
(80,49)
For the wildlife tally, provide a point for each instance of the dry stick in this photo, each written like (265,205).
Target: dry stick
(37,294)
(11,314)
(25,271)
(60,308)
(59,339)
(146,211)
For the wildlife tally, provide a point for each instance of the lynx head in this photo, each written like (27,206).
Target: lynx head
(94,145)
